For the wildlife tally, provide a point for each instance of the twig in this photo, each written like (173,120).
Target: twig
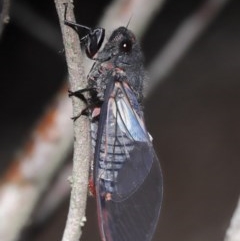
(233,232)
(4,14)
(77,80)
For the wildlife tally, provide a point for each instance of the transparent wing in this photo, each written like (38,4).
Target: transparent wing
(136,217)
(132,169)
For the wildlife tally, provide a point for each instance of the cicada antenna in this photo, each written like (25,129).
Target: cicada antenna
(129,21)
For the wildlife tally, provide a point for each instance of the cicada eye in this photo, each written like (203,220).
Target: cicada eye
(126,46)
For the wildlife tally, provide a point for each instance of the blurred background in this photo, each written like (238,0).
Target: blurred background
(192,113)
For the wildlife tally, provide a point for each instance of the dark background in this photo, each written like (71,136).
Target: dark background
(193,115)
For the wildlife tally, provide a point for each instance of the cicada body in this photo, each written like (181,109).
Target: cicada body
(126,171)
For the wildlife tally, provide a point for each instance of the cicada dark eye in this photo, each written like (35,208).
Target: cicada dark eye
(126,46)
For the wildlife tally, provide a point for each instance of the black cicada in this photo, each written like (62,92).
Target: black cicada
(126,172)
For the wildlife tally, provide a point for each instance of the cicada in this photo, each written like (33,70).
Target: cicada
(126,173)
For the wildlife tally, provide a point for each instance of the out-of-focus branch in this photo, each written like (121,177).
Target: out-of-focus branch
(183,39)
(33,168)
(233,232)
(4,14)
(36,25)
(81,155)
(58,192)
(138,12)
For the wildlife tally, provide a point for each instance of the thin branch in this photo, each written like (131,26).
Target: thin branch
(4,14)
(77,80)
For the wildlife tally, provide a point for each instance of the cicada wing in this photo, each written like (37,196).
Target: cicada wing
(134,171)
(133,140)
(136,217)
(132,209)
